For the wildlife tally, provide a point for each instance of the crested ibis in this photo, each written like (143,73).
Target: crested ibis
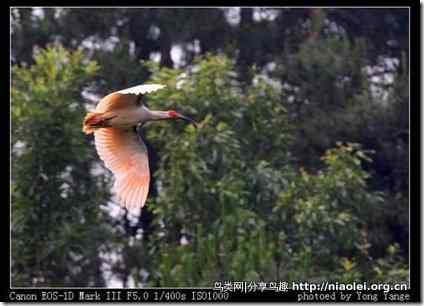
(114,123)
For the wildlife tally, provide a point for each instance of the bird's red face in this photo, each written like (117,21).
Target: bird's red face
(175,115)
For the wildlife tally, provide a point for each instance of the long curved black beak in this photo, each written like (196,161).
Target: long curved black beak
(185,118)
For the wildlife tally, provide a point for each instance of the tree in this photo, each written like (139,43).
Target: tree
(232,206)
(57,227)
(335,91)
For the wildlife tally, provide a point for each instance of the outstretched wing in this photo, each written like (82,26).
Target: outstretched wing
(141,89)
(125,97)
(126,156)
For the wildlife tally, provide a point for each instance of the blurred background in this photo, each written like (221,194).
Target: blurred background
(298,171)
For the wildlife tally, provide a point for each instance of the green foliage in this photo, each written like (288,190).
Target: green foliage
(230,204)
(204,195)
(326,213)
(334,92)
(56,224)
(391,268)
(212,255)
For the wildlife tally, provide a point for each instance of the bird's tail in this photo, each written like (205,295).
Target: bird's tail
(93,121)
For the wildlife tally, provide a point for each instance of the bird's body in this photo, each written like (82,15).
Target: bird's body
(118,144)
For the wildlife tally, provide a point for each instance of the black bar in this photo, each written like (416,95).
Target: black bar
(201,295)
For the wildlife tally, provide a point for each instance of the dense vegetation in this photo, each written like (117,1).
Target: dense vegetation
(298,170)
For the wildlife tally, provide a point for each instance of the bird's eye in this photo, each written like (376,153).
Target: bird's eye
(139,100)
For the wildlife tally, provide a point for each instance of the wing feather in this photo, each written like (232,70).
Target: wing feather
(125,97)
(126,156)
(141,89)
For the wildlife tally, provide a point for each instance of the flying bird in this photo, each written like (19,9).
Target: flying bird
(114,124)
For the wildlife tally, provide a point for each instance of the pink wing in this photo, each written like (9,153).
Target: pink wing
(126,156)
(125,97)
